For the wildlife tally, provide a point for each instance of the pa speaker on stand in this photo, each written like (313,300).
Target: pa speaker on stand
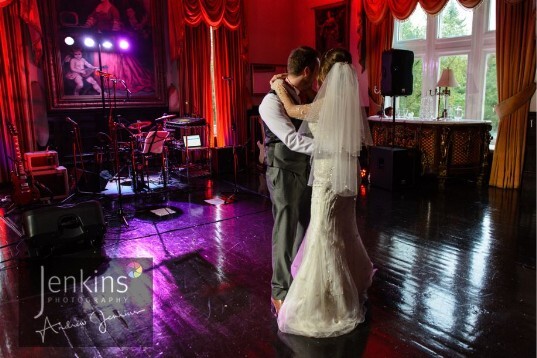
(397,79)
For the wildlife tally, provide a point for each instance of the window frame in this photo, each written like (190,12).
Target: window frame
(476,46)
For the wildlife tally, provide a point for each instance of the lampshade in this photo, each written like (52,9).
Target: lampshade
(447,79)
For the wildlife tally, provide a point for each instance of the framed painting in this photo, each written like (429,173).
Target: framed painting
(103,53)
(332,27)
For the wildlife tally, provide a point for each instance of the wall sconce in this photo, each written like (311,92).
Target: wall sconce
(447,80)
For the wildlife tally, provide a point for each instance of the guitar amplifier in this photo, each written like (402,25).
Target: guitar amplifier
(52,184)
(41,160)
(61,228)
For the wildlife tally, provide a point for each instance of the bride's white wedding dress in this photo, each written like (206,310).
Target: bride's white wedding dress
(333,270)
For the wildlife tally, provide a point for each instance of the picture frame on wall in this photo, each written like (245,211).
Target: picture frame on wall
(332,26)
(126,61)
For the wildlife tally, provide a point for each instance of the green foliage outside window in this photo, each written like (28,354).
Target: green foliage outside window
(454,21)
(415,28)
(491,94)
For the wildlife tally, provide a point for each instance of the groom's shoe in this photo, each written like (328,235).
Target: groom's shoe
(276,305)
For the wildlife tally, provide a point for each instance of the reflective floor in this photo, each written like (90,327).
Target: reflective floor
(456,275)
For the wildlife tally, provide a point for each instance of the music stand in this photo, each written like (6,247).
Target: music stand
(154,144)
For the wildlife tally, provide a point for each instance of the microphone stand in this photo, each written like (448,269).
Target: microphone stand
(230,198)
(76,150)
(113,134)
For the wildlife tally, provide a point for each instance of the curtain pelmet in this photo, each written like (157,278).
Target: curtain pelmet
(214,13)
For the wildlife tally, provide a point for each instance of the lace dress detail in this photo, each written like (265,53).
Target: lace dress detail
(332,270)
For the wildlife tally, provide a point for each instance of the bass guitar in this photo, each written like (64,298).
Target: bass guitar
(23,192)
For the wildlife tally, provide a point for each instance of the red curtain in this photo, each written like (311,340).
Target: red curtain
(402,9)
(379,29)
(193,12)
(15,89)
(379,38)
(515,44)
(194,75)
(230,75)
(190,45)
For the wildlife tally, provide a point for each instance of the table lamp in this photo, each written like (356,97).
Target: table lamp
(447,80)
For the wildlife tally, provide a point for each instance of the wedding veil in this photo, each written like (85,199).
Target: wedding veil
(341,130)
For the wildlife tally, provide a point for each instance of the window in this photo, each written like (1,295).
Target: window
(492,16)
(459,65)
(415,27)
(455,21)
(463,40)
(490,97)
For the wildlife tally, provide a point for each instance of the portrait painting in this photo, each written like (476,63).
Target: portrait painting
(109,47)
(332,27)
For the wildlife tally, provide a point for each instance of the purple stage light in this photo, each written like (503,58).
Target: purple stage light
(123,44)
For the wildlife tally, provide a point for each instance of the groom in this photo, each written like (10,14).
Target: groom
(288,155)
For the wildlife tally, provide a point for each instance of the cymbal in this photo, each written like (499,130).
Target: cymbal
(139,125)
(166,116)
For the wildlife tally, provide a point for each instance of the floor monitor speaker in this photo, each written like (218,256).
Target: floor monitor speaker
(59,228)
(222,160)
(392,168)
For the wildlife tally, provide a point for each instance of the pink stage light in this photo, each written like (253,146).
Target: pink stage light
(123,44)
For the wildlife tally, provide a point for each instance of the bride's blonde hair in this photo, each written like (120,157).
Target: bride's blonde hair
(330,58)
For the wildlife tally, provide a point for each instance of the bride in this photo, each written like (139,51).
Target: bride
(332,270)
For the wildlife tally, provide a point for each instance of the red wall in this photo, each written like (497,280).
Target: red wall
(275,27)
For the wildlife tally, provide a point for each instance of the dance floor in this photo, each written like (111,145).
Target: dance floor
(456,276)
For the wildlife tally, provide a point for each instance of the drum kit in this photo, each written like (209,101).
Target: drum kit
(142,148)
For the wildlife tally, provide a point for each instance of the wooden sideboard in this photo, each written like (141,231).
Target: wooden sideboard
(448,148)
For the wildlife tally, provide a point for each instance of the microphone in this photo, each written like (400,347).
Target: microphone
(73,123)
(103,74)
(227,78)
(126,88)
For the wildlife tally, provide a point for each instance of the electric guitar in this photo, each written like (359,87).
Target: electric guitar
(23,192)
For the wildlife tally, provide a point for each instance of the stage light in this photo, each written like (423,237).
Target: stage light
(89,42)
(123,44)
(69,40)
(107,44)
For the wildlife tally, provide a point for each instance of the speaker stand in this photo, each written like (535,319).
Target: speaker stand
(232,197)
(393,120)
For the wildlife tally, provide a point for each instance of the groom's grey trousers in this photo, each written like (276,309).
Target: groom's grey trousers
(287,179)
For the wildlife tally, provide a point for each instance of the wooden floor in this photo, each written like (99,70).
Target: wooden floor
(456,277)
